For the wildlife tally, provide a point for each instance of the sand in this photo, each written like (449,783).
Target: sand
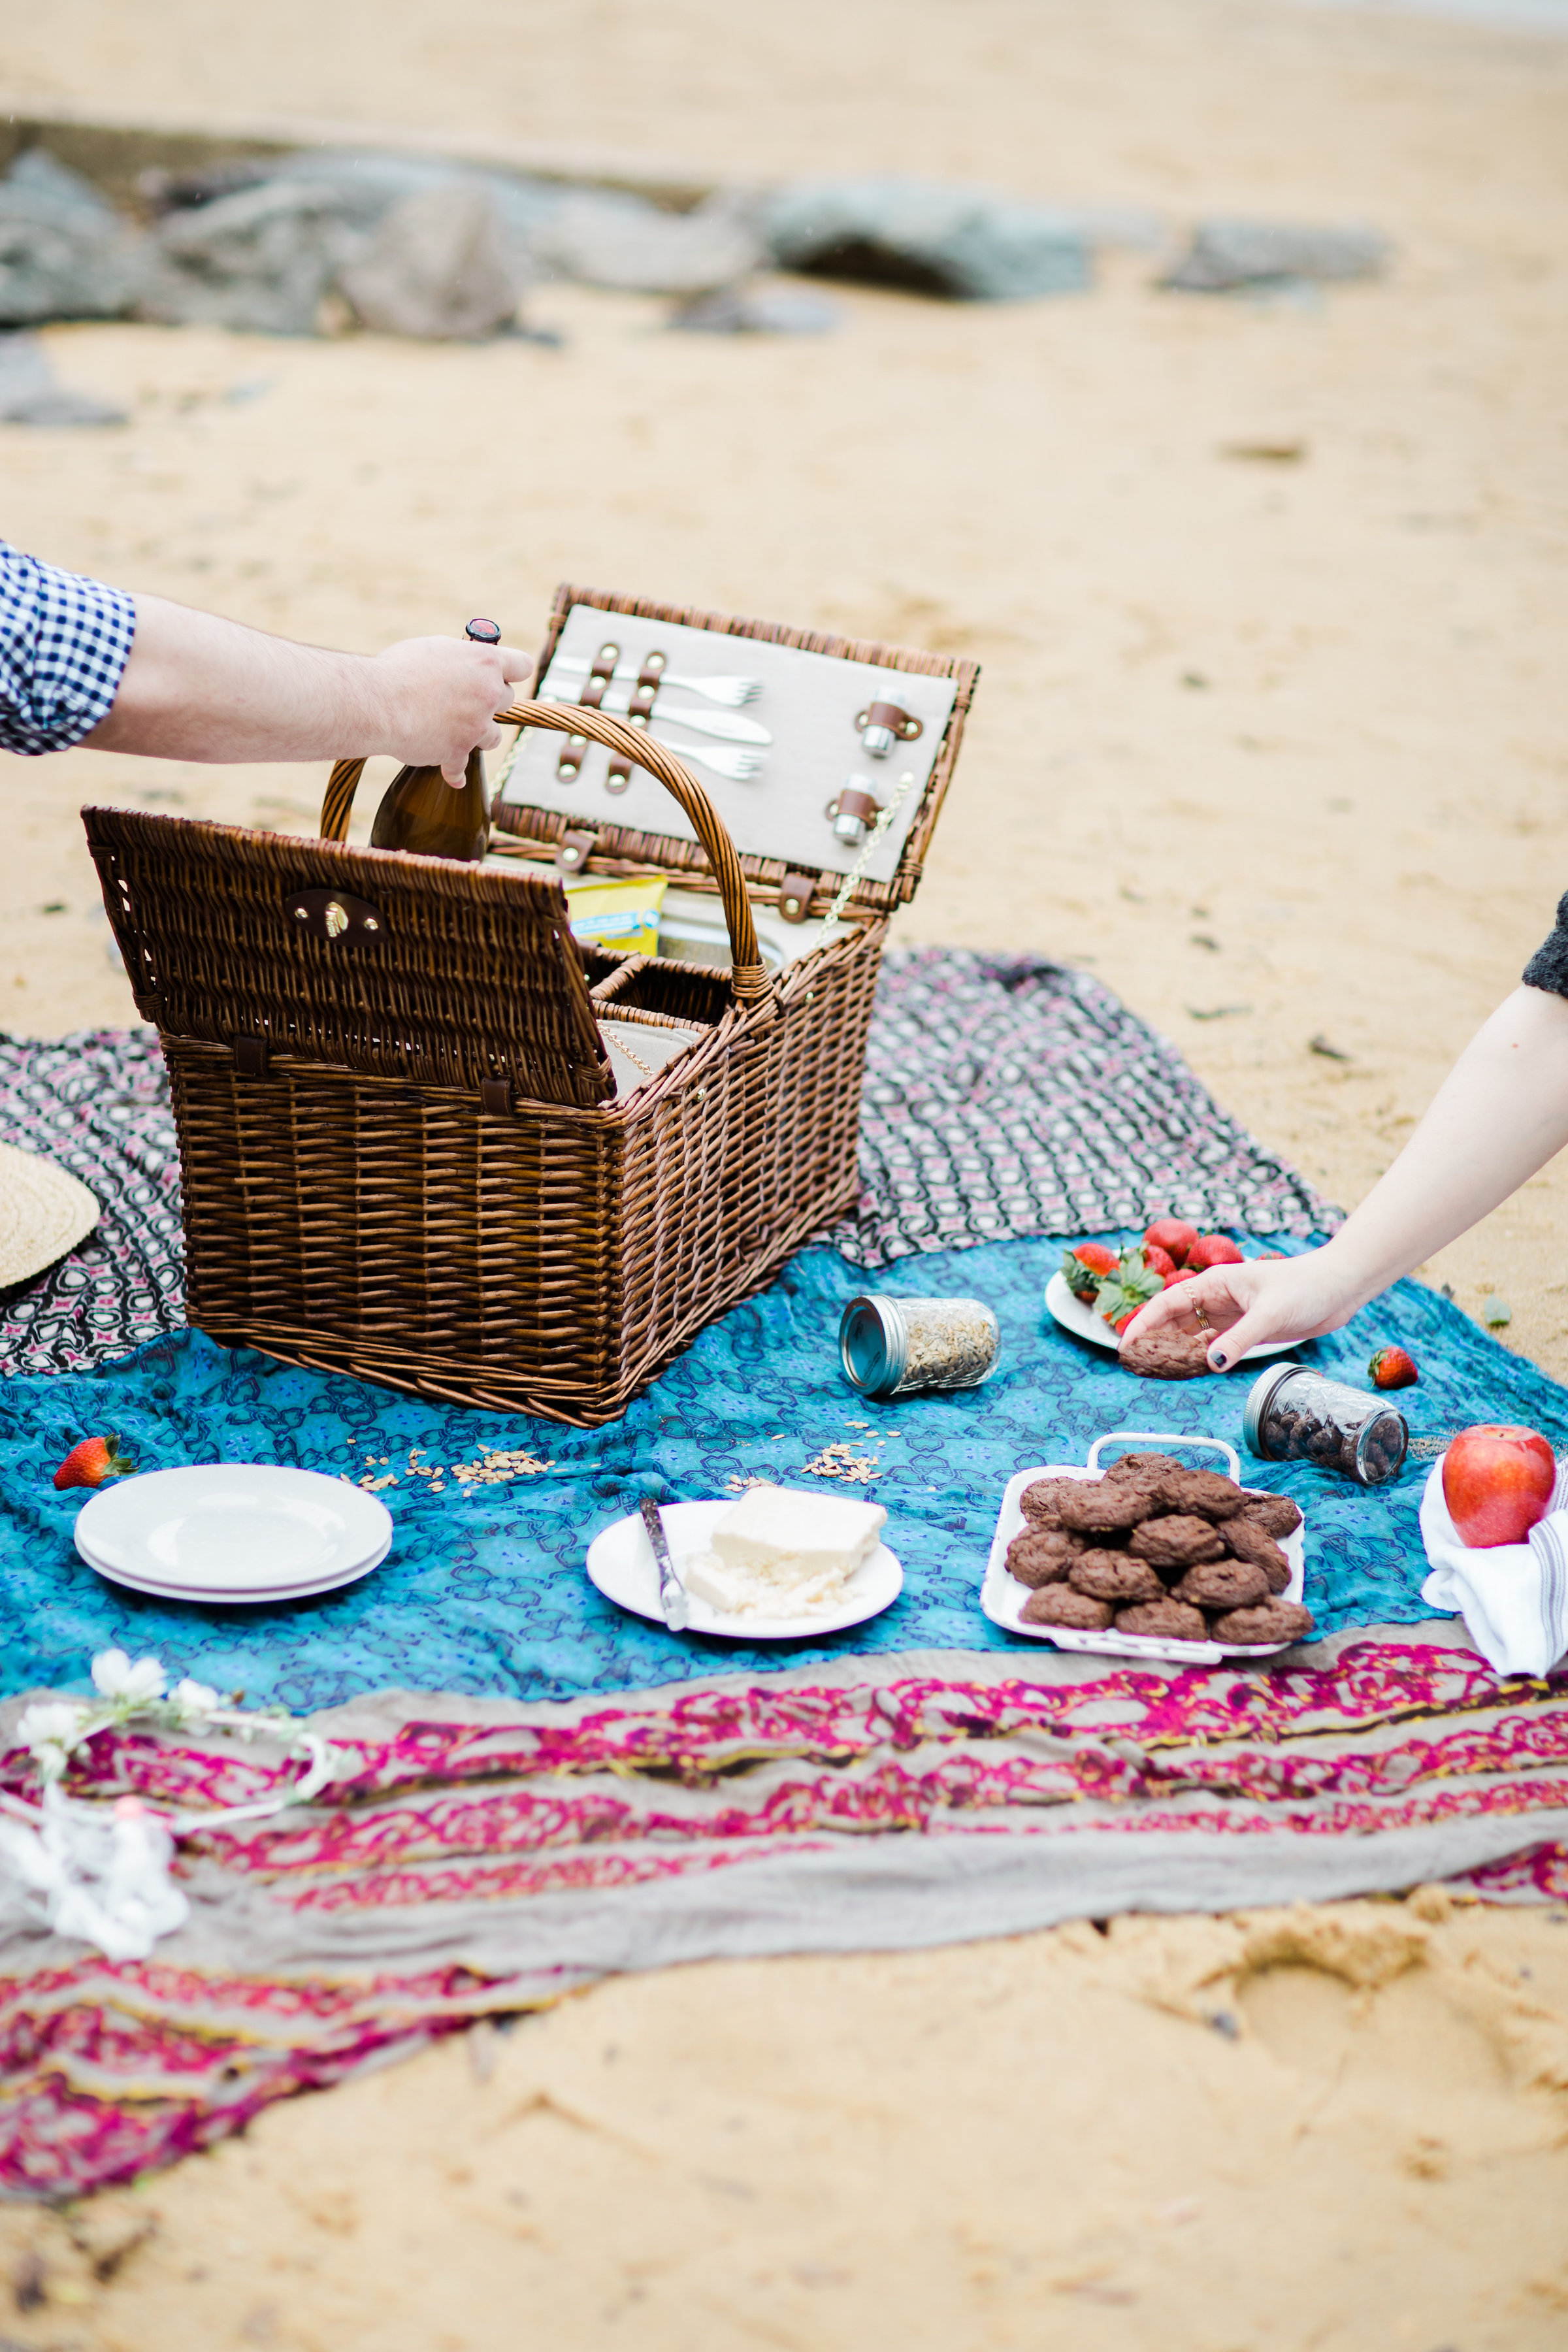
(1276,745)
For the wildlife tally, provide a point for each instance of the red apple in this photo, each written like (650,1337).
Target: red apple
(1213,1249)
(1170,1235)
(1496,1482)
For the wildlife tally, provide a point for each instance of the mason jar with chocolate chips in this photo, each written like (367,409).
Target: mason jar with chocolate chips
(1294,1414)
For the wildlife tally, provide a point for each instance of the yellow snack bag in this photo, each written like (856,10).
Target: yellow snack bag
(620,915)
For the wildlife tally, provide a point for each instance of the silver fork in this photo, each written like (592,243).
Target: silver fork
(739,766)
(729,731)
(731,692)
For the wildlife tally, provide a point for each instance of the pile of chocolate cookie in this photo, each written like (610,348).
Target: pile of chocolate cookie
(1156,1548)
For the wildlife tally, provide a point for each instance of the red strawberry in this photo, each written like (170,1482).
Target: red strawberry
(1392,1368)
(1211,1249)
(1085,1267)
(93,1461)
(1159,1261)
(1170,1235)
(1121,1326)
(1183,1274)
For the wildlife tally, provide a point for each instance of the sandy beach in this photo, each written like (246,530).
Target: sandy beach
(1272,736)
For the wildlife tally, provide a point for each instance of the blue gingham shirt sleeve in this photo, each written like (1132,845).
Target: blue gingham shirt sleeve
(64,645)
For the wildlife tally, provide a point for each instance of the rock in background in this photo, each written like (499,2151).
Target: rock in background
(964,243)
(64,252)
(1228,255)
(438,266)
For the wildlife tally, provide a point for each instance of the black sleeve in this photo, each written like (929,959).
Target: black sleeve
(1548,967)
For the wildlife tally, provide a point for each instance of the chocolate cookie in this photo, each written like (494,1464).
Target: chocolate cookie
(1274,1621)
(1148,1469)
(1038,1501)
(1168,1620)
(1245,1540)
(1114,1576)
(1223,1584)
(1203,1493)
(1276,1514)
(1059,1604)
(1180,1541)
(1166,1355)
(1042,1555)
(1104,1506)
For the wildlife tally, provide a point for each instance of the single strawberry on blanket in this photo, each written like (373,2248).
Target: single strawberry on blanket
(93,1461)
(1392,1368)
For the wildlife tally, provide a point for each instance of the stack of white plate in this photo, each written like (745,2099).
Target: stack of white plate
(233,1531)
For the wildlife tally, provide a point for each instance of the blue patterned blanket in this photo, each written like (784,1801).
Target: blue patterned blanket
(485,1590)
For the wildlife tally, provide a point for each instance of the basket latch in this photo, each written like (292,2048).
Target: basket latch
(334,915)
(250,1057)
(794,896)
(573,850)
(495,1097)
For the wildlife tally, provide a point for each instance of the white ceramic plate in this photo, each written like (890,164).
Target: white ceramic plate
(233,1531)
(621,1563)
(264,1596)
(1074,1316)
(1002,1597)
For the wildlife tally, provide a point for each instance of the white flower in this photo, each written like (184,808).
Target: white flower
(195,1698)
(56,1722)
(114,1675)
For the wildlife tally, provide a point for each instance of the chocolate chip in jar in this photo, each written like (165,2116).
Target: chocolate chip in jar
(1180,1541)
(1060,1604)
(1115,1576)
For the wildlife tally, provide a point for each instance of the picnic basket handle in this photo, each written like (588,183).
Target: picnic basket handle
(748,977)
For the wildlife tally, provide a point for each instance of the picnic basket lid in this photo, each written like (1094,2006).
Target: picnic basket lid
(778,820)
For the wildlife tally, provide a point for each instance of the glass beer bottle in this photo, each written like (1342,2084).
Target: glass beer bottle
(422,812)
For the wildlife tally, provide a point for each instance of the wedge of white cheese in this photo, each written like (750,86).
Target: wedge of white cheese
(782,1552)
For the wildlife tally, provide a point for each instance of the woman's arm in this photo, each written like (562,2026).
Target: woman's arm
(198,687)
(1499,1115)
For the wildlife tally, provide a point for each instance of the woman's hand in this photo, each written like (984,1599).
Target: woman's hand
(1262,1302)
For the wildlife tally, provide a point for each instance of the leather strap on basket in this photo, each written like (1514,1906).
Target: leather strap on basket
(748,974)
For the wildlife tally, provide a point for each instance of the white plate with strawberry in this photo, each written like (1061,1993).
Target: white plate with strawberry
(1097,1291)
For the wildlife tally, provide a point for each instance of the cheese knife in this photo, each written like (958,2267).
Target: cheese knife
(671,1591)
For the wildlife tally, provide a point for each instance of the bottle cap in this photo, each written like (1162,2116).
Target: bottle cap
(484,633)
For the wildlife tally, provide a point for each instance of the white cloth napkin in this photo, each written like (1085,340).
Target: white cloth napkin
(1513,1597)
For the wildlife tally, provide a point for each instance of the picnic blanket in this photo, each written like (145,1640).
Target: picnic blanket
(1004,1094)
(482,1856)
(485,1591)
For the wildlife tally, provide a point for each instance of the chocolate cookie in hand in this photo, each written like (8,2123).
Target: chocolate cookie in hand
(1166,1355)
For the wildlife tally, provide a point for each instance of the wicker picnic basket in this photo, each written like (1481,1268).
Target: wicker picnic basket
(403,1152)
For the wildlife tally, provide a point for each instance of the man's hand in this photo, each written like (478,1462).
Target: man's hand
(198,687)
(441,696)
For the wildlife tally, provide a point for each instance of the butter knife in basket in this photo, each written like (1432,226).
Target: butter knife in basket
(671,1591)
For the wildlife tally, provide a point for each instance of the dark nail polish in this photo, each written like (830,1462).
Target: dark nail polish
(1219,1361)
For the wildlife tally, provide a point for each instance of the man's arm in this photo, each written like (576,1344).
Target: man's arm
(198,687)
(1499,1115)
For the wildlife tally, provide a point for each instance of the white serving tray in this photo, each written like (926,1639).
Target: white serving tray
(1002,1597)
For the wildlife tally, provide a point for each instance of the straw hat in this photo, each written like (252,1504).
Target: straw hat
(44,1212)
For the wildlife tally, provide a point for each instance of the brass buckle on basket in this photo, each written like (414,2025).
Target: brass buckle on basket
(332,915)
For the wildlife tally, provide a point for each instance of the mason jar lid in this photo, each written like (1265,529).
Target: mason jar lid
(1260,1398)
(873,1345)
